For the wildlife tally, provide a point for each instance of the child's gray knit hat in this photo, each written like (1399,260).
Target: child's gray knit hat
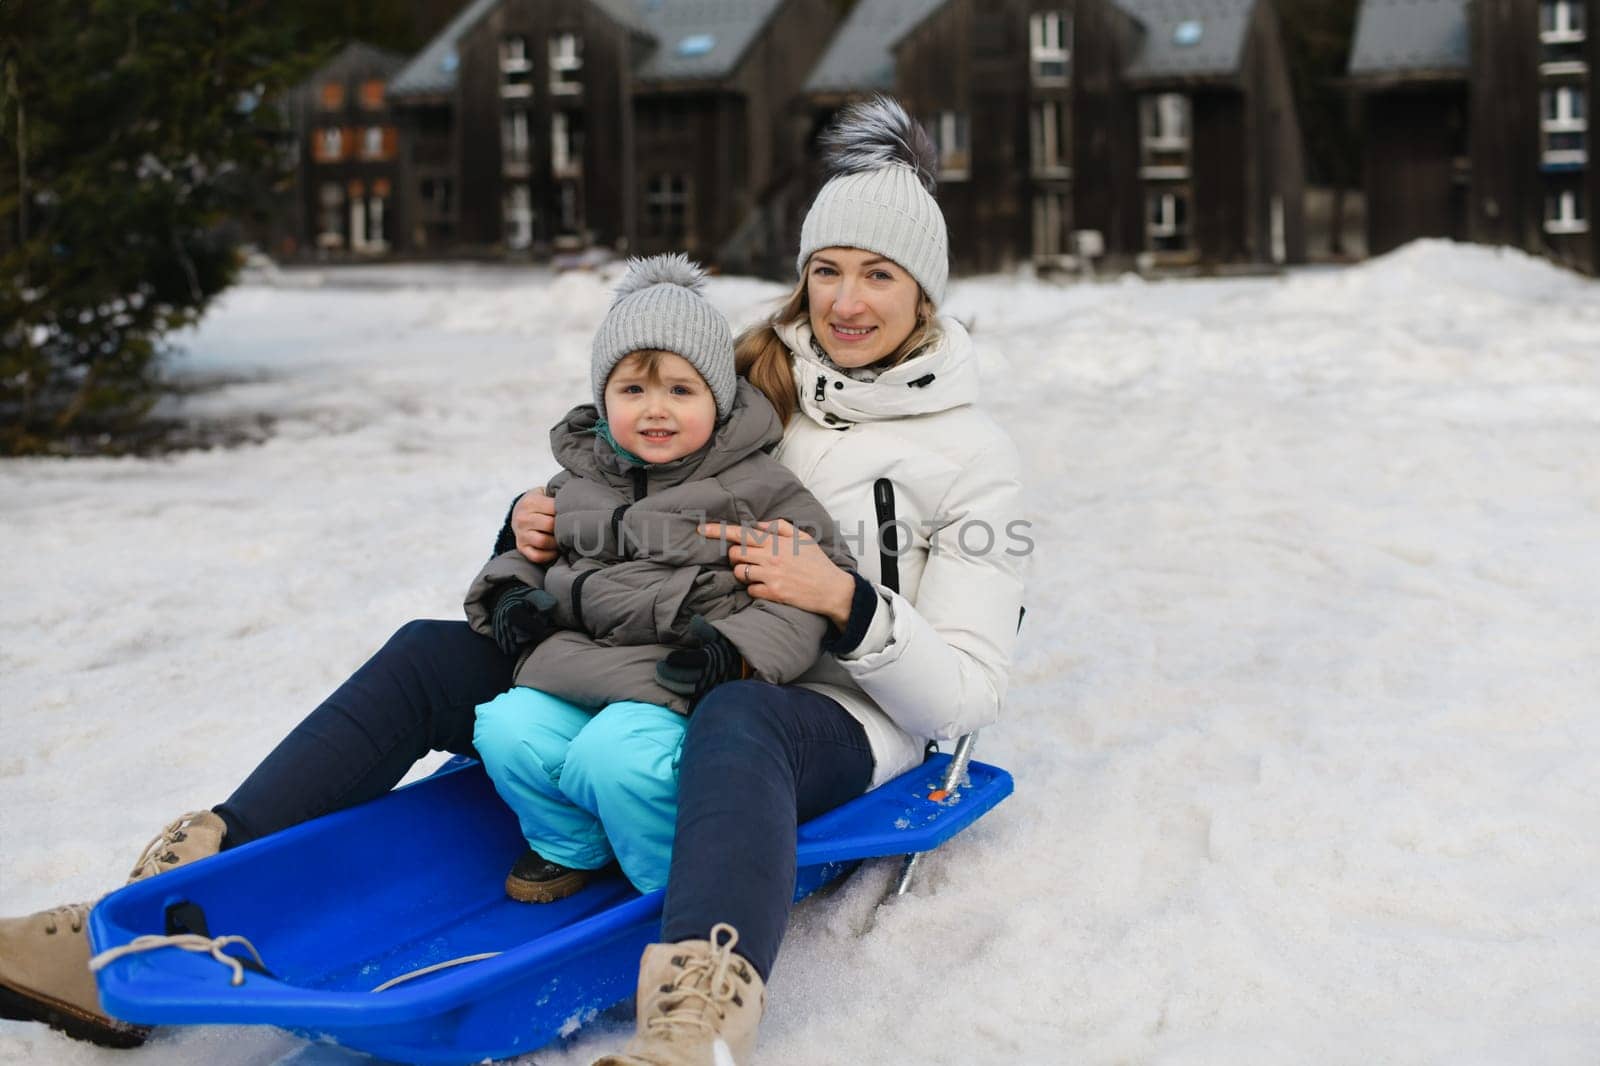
(882,171)
(660,304)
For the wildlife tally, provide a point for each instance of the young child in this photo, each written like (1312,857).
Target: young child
(641,615)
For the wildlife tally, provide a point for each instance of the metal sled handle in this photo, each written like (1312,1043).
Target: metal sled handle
(954,774)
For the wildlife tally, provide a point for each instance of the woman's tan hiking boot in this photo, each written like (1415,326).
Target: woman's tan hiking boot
(44,957)
(196,835)
(44,977)
(694,996)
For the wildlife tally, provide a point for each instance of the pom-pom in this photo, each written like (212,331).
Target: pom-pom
(878,133)
(675,268)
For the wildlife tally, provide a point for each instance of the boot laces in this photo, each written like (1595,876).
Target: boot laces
(72,914)
(159,850)
(704,986)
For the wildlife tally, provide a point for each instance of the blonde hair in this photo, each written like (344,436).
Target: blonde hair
(647,361)
(761,357)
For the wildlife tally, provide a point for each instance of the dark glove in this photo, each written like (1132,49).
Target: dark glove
(708,661)
(522,617)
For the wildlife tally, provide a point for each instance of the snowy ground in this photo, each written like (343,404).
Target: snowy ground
(1306,725)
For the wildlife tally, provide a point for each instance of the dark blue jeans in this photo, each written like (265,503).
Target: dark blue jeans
(418,693)
(758,760)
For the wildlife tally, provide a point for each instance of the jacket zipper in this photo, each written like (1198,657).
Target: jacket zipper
(888,534)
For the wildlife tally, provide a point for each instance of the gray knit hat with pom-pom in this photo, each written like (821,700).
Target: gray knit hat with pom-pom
(660,304)
(882,170)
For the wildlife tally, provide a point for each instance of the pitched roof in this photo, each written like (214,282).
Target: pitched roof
(361,54)
(860,56)
(1410,36)
(1189,38)
(434,69)
(699,39)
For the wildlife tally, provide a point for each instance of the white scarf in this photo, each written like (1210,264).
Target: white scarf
(941,376)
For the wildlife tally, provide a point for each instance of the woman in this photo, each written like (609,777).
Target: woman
(884,433)
(877,394)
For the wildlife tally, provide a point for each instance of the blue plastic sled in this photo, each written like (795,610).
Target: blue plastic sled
(342,904)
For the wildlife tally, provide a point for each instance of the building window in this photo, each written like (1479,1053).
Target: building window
(666,206)
(1561,21)
(1051,133)
(518,217)
(1164,135)
(1050,47)
(367,216)
(332,95)
(372,143)
(950,138)
(437,196)
(1563,212)
(566,145)
(330,217)
(1166,224)
(515,144)
(1564,127)
(1052,224)
(569,203)
(328,146)
(372,94)
(566,64)
(516,69)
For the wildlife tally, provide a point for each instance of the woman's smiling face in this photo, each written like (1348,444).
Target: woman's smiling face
(862,305)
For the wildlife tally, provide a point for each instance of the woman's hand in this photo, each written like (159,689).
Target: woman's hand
(533,521)
(779,563)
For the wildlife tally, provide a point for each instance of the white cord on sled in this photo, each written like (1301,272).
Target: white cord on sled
(435,968)
(204,945)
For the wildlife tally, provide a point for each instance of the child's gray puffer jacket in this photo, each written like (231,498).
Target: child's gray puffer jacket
(633,570)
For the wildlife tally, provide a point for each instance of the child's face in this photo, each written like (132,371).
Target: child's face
(661,413)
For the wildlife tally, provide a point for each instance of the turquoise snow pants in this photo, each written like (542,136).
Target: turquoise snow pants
(587,787)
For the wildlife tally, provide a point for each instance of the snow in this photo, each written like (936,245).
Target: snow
(1305,722)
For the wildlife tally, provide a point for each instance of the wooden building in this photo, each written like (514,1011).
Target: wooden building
(1221,161)
(1408,65)
(642,125)
(1153,131)
(346,160)
(1534,178)
(1476,115)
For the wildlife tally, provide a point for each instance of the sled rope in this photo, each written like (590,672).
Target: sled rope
(204,945)
(435,968)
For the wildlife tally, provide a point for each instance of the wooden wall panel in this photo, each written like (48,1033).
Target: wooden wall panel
(1412,139)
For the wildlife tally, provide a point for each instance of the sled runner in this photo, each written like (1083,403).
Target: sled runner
(406,894)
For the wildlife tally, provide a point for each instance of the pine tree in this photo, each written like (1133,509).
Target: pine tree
(130,132)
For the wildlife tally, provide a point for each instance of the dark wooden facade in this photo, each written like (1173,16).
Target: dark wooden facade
(1050,151)
(721,145)
(538,126)
(1463,147)
(1524,164)
(1246,165)
(544,146)
(1415,167)
(347,161)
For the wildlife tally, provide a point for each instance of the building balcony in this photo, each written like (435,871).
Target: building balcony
(1164,172)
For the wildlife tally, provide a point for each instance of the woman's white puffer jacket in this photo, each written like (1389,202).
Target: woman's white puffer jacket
(935,661)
